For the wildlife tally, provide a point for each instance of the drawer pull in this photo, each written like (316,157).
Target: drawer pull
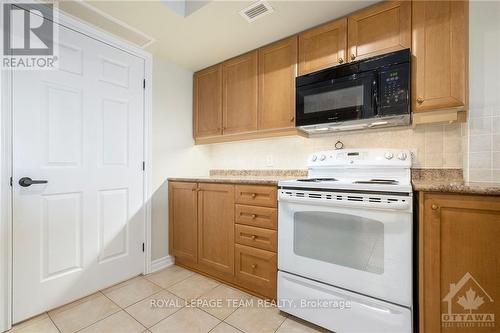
(254,216)
(254,266)
(254,195)
(254,237)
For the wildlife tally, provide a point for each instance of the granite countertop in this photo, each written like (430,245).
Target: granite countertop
(449,181)
(255,177)
(423,180)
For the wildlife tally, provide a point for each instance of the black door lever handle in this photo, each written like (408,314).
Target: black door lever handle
(27,181)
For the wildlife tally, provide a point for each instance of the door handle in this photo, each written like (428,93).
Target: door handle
(27,181)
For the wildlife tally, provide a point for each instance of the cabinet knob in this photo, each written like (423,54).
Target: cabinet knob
(254,266)
(254,237)
(420,100)
(434,207)
(292,118)
(194,189)
(341,60)
(353,57)
(254,216)
(254,195)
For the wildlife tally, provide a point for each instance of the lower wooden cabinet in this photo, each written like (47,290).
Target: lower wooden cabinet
(215,229)
(183,226)
(459,264)
(205,235)
(256,269)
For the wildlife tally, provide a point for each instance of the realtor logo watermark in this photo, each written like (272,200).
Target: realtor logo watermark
(29,36)
(467,305)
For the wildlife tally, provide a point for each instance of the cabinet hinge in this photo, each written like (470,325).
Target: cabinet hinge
(10,181)
(144,84)
(142,247)
(143,166)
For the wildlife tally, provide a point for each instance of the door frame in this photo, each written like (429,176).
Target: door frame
(6,162)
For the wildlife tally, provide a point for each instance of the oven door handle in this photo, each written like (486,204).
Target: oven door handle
(348,203)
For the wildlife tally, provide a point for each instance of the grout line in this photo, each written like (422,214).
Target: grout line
(225,322)
(50,318)
(170,315)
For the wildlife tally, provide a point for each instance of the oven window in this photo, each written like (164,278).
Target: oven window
(340,239)
(321,100)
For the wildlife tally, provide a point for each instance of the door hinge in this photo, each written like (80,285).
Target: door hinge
(142,247)
(143,166)
(10,181)
(144,84)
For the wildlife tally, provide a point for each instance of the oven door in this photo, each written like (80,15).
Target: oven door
(337,100)
(358,242)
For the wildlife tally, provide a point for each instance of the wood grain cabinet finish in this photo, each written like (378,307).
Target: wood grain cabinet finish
(440,55)
(323,47)
(183,225)
(262,217)
(257,195)
(256,269)
(216,229)
(239,95)
(260,238)
(277,72)
(379,29)
(458,236)
(207,102)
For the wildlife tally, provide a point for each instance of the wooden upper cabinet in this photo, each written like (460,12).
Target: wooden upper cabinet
(277,72)
(216,230)
(323,47)
(207,102)
(183,222)
(440,55)
(239,94)
(459,252)
(379,29)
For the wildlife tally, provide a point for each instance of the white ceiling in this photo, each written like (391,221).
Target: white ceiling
(216,31)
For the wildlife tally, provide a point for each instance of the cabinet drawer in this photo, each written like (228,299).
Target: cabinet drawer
(256,237)
(262,217)
(256,195)
(256,270)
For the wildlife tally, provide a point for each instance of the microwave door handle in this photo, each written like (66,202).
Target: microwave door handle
(375,97)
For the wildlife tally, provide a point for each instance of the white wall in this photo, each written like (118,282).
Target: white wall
(483,143)
(174,153)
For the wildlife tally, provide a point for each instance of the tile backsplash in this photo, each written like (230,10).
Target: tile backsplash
(432,146)
(482,162)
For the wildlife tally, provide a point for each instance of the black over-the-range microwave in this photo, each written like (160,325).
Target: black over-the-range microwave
(368,93)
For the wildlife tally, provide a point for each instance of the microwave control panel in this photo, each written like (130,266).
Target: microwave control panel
(394,84)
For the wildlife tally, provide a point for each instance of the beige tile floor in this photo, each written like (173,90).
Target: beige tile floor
(186,302)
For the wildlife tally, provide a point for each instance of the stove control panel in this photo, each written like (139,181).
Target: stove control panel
(361,157)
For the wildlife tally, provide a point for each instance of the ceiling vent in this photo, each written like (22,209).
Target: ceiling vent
(256,10)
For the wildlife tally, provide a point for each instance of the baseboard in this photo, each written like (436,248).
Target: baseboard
(161,263)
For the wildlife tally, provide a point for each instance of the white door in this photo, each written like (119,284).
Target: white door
(80,128)
(355,241)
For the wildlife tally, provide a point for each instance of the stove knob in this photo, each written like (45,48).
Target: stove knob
(322,158)
(314,158)
(389,156)
(402,156)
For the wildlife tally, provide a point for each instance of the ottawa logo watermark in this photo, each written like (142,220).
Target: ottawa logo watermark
(30,34)
(468,305)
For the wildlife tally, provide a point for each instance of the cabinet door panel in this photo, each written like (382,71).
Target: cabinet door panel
(383,28)
(323,47)
(207,95)
(277,72)
(440,55)
(256,270)
(239,101)
(183,224)
(459,252)
(216,229)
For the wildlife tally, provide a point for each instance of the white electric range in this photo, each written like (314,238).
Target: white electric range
(345,241)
